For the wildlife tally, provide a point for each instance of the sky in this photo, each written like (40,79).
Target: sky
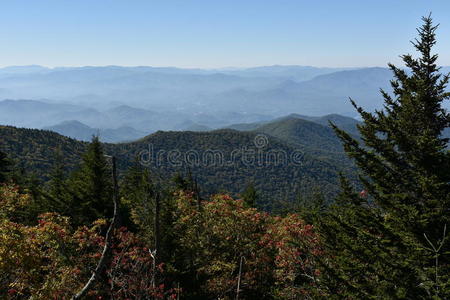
(215,33)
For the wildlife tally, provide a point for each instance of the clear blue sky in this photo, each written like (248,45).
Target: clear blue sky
(214,33)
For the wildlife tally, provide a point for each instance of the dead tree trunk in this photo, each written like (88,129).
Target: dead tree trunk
(156,224)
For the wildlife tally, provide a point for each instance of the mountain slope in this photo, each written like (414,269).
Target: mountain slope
(302,132)
(296,73)
(346,123)
(74,129)
(33,150)
(318,140)
(220,160)
(228,159)
(324,94)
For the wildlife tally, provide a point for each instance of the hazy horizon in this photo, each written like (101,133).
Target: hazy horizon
(193,67)
(220,68)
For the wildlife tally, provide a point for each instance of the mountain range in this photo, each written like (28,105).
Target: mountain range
(147,99)
(289,155)
(80,121)
(292,89)
(284,158)
(82,132)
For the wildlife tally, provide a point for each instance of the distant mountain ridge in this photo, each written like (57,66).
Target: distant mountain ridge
(82,132)
(41,114)
(148,99)
(267,90)
(130,123)
(343,122)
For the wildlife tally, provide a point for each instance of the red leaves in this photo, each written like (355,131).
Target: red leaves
(277,252)
(65,259)
(273,247)
(160,267)
(363,194)
(12,292)
(226,197)
(295,246)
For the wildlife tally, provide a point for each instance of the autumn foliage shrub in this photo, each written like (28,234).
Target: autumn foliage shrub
(51,260)
(219,242)
(278,253)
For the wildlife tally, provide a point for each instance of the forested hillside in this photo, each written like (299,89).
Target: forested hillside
(33,150)
(223,160)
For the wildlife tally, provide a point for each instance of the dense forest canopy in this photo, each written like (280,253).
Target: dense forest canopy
(219,160)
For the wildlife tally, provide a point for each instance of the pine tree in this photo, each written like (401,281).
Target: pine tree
(91,186)
(250,195)
(385,240)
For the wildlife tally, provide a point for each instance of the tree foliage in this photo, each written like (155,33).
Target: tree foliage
(4,167)
(278,254)
(91,186)
(52,260)
(385,240)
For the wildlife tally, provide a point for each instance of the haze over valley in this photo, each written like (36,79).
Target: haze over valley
(126,103)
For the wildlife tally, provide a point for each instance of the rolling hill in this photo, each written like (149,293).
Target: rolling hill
(298,131)
(346,123)
(220,160)
(293,128)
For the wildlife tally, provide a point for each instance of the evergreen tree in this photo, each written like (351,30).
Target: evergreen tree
(4,167)
(57,195)
(187,184)
(310,208)
(91,186)
(150,205)
(180,182)
(250,195)
(28,183)
(390,240)
(137,194)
